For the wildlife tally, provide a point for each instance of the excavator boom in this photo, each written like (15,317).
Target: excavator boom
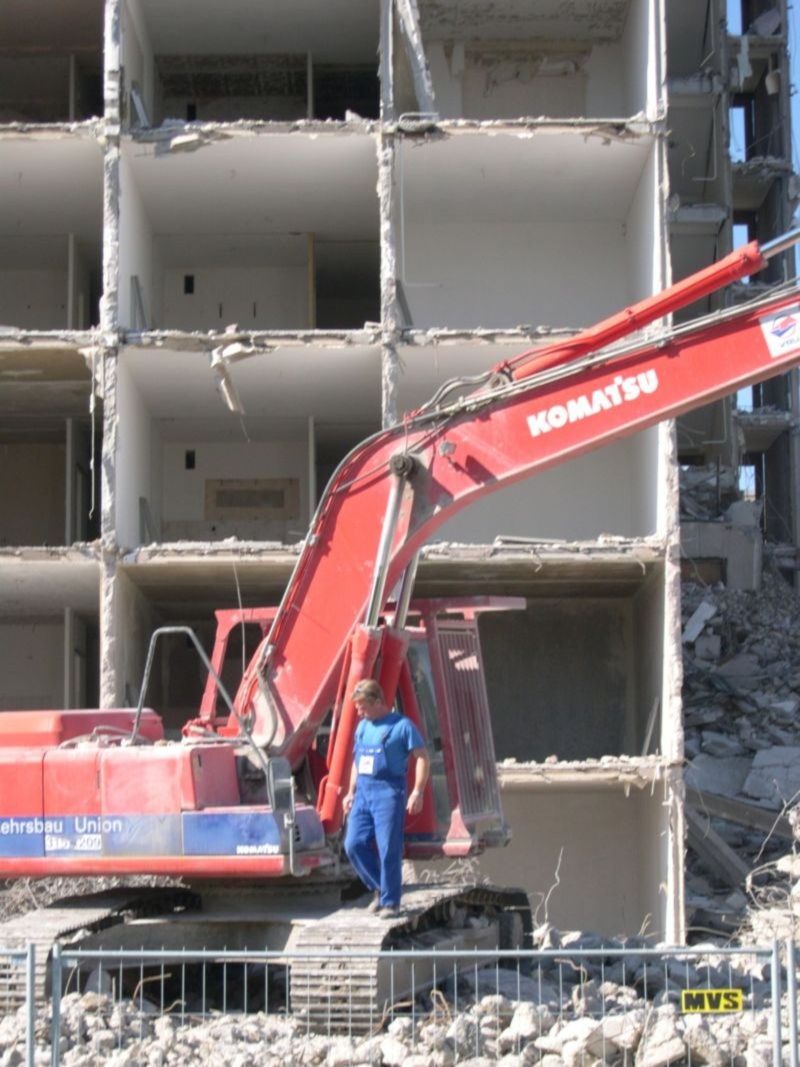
(394,491)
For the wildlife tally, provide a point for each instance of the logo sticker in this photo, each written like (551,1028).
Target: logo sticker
(782,330)
(711,1001)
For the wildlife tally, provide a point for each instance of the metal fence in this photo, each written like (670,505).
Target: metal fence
(580,1006)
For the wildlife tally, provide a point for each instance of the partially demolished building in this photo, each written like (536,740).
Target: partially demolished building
(238,238)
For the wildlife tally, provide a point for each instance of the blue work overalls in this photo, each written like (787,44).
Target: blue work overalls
(374,839)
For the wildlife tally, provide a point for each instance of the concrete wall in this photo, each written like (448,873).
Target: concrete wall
(641,42)
(137,255)
(587,834)
(256,298)
(472,274)
(134,458)
(612,491)
(183,491)
(34,299)
(562,680)
(137,57)
(31,664)
(33,486)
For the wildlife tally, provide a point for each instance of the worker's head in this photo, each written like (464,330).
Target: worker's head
(369,699)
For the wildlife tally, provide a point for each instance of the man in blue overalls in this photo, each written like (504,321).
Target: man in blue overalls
(376,801)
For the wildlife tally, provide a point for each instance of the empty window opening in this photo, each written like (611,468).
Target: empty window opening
(189,459)
(756,120)
(750,480)
(188,284)
(740,120)
(734,16)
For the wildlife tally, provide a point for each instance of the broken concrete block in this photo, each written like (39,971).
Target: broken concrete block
(786,710)
(745,513)
(694,627)
(717,744)
(744,671)
(722,776)
(708,647)
(775,775)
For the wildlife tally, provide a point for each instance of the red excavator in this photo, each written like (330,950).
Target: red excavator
(251,796)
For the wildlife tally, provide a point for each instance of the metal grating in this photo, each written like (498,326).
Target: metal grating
(473,744)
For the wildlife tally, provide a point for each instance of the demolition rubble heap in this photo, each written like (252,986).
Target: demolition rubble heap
(742,743)
(591,1013)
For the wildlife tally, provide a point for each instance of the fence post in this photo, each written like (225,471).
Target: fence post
(30,1003)
(791,991)
(775,984)
(55,1035)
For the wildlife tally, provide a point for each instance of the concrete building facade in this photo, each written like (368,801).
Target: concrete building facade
(238,238)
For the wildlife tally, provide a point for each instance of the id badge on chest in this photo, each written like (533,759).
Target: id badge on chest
(366,764)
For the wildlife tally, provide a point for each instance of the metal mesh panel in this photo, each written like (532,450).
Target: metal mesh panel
(473,744)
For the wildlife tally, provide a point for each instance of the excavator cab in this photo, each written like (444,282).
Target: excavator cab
(442,689)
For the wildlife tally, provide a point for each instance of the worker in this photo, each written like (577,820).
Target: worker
(376,801)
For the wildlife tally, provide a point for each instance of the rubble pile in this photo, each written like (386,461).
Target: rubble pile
(594,1013)
(742,742)
(705,492)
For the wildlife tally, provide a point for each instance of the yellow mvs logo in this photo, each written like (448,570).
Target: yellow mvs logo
(712,1000)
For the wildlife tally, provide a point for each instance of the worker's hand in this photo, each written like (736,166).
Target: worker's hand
(414,805)
(347,802)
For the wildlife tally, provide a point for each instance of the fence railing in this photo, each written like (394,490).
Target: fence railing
(17,993)
(682,1005)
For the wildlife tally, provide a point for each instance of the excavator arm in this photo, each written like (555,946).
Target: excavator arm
(393,492)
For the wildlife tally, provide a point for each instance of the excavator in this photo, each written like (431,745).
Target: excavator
(244,811)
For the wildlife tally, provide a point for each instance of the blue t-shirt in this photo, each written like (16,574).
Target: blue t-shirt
(403,736)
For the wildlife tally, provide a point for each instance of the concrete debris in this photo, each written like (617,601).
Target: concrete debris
(695,626)
(705,492)
(625,1026)
(742,739)
(775,776)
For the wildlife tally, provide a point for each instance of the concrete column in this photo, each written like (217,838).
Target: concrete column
(390,312)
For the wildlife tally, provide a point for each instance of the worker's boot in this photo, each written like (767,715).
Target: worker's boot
(375,903)
(389,912)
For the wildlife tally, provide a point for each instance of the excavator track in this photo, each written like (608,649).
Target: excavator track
(353,994)
(42,927)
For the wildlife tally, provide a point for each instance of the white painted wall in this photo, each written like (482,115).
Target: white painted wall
(641,47)
(134,621)
(31,664)
(644,232)
(603,492)
(579,830)
(136,249)
(183,500)
(474,274)
(135,444)
(256,298)
(34,299)
(137,56)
